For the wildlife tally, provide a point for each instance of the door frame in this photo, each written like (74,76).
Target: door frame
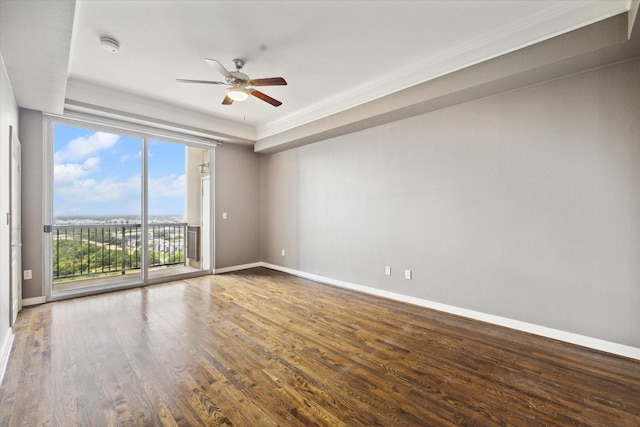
(15,213)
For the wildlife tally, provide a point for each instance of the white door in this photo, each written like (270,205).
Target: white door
(16,231)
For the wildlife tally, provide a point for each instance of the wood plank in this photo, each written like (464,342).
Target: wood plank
(260,347)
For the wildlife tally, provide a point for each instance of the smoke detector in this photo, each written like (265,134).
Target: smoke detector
(109,44)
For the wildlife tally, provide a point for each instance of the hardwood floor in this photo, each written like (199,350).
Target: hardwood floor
(261,348)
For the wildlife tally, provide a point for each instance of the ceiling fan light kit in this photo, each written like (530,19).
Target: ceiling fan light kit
(241,85)
(238,93)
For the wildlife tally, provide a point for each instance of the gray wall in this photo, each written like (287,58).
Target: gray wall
(524,205)
(237,192)
(31,136)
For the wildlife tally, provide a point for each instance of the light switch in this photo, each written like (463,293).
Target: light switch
(224,215)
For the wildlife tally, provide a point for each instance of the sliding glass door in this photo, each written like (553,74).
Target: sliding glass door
(126,210)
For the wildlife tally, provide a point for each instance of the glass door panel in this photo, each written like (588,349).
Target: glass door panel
(97,209)
(176,219)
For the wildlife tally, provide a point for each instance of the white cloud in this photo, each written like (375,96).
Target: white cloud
(69,172)
(70,185)
(79,193)
(82,148)
(126,157)
(166,186)
(105,190)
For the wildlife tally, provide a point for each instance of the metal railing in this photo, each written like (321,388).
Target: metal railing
(89,250)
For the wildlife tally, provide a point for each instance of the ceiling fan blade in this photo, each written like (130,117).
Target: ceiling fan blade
(270,81)
(266,98)
(227,101)
(209,82)
(218,66)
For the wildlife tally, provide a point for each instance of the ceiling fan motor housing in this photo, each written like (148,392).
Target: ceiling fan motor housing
(238,77)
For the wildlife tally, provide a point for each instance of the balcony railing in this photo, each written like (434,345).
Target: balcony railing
(90,250)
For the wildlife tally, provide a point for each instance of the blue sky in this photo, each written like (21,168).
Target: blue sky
(98,173)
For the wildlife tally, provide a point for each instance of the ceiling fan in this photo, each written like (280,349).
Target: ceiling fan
(241,86)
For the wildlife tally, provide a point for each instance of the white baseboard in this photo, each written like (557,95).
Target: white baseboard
(33,301)
(237,267)
(569,337)
(5,350)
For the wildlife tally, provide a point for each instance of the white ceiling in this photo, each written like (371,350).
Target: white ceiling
(334,54)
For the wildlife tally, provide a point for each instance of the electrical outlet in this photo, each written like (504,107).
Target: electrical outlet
(407,274)
(27,274)
(387,270)
(224,215)
(283,252)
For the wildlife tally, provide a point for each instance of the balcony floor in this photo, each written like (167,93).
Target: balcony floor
(130,275)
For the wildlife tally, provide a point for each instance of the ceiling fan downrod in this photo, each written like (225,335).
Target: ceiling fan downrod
(239,63)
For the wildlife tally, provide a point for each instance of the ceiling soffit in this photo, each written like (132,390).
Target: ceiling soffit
(35,40)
